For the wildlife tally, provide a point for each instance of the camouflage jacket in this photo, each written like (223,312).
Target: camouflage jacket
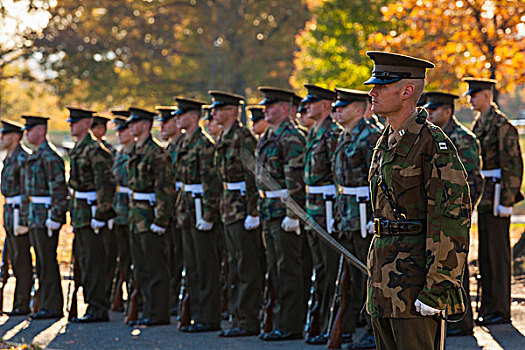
(500,149)
(378,124)
(121,200)
(350,164)
(419,168)
(281,153)
(235,206)
(320,147)
(91,171)
(150,171)
(469,153)
(12,184)
(194,165)
(109,146)
(173,149)
(45,176)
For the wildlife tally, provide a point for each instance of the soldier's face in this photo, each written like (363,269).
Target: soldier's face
(124,136)
(275,112)
(259,127)
(213,127)
(169,128)
(480,100)
(305,121)
(386,98)
(79,127)
(186,120)
(345,115)
(223,114)
(35,134)
(439,115)
(314,110)
(136,127)
(7,140)
(98,131)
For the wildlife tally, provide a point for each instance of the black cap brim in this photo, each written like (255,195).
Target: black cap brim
(432,105)
(310,99)
(381,80)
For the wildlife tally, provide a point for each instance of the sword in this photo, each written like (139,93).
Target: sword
(266,179)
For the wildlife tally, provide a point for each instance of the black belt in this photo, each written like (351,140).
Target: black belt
(386,227)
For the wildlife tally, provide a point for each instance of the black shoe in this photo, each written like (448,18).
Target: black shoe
(46,314)
(237,332)
(90,318)
(136,322)
(455,332)
(276,335)
(367,341)
(148,322)
(226,315)
(174,311)
(317,340)
(202,327)
(492,319)
(18,312)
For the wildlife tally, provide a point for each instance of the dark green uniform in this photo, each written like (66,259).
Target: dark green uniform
(17,245)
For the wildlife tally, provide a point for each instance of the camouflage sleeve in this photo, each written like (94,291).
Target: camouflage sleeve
(164,183)
(55,174)
(331,142)
(249,143)
(293,156)
(24,198)
(448,224)
(511,164)
(470,155)
(101,162)
(211,184)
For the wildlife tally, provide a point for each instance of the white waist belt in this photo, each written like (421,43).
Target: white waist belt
(326,190)
(138,196)
(40,200)
(274,194)
(14,200)
(178,185)
(193,188)
(90,196)
(361,191)
(235,186)
(494,173)
(124,189)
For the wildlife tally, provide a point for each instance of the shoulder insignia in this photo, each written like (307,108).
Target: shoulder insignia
(442,141)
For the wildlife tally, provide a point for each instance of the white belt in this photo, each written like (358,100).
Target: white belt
(235,186)
(178,185)
(193,188)
(274,194)
(138,196)
(89,196)
(361,191)
(40,200)
(326,190)
(14,200)
(494,173)
(124,189)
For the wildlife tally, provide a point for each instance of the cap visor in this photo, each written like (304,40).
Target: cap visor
(383,81)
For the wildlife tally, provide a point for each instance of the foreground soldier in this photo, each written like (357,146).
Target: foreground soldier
(150,178)
(15,221)
(238,208)
(503,171)
(280,154)
(353,214)
(440,107)
(421,214)
(45,186)
(320,193)
(93,187)
(197,214)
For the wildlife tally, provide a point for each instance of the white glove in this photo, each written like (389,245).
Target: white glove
(97,225)
(157,229)
(111,223)
(290,225)
(370,228)
(504,211)
(203,225)
(21,230)
(251,222)
(424,309)
(52,225)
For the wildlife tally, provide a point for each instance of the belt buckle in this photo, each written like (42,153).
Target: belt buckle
(225,186)
(262,194)
(377,227)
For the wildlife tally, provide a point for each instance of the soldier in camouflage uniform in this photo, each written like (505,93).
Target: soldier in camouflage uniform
(170,132)
(280,153)
(15,222)
(353,214)
(121,199)
(211,125)
(46,190)
(320,194)
(440,107)
(92,186)
(503,171)
(422,213)
(239,215)
(197,214)
(259,125)
(151,180)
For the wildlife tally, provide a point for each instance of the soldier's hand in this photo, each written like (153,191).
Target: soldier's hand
(203,225)
(21,230)
(251,222)
(424,309)
(504,211)
(52,224)
(291,225)
(370,228)
(157,229)
(97,225)
(111,223)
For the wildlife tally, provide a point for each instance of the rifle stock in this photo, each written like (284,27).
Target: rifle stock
(4,274)
(336,333)
(313,317)
(269,297)
(133,310)
(118,302)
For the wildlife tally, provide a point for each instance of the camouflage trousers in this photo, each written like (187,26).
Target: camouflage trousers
(407,333)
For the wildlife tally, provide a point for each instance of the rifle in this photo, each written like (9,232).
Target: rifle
(224,286)
(269,297)
(4,274)
(118,303)
(184,303)
(312,327)
(74,275)
(133,307)
(336,330)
